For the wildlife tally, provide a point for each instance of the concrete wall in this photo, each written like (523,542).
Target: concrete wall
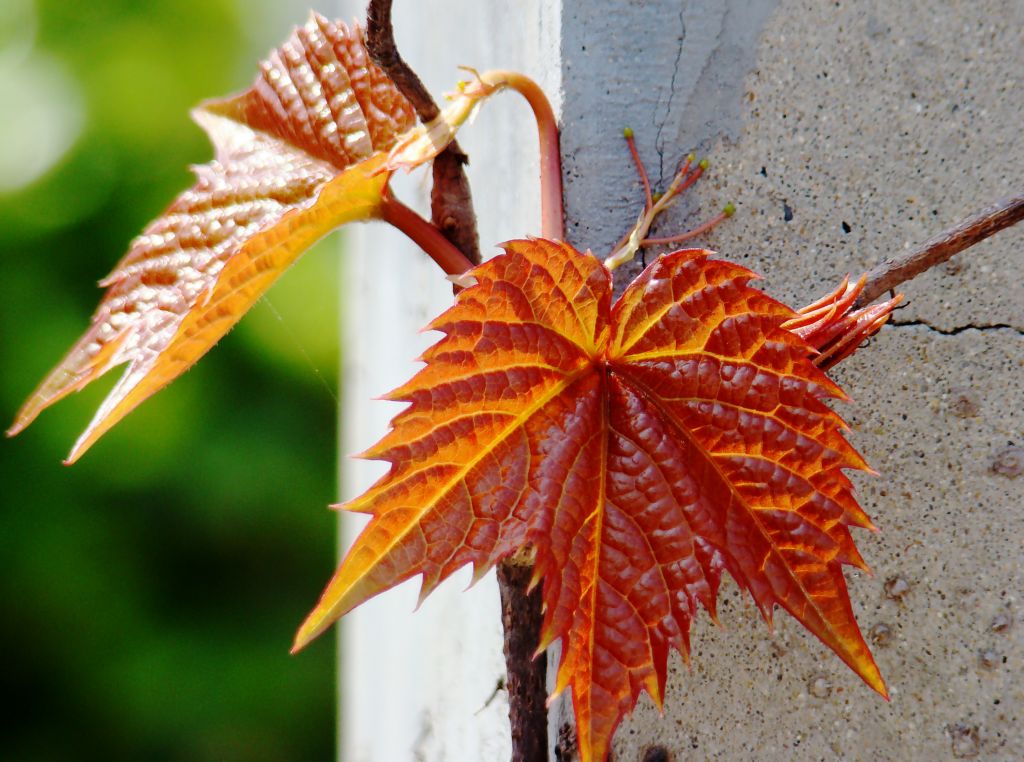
(875,124)
(896,119)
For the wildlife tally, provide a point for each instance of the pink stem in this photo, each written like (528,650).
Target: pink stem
(700,229)
(425,235)
(690,179)
(640,169)
(552,215)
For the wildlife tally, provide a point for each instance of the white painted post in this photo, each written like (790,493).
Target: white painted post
(413,685)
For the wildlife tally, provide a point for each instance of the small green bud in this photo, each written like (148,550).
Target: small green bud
(729,210)
(704,164)
(656,197)
(691,158)
(627,132)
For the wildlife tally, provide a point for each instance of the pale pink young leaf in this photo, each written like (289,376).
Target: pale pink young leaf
(296,156)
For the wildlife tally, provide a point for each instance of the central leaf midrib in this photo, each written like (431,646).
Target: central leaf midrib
(666,415)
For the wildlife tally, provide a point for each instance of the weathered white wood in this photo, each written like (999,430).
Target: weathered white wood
(413,684)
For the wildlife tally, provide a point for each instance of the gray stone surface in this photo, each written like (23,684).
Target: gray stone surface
(671,71)
(897,119)
(947,575)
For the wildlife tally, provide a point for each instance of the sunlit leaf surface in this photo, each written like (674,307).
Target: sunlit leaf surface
(296,155)
(642,449)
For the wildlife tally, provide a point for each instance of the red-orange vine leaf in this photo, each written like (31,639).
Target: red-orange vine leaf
(641,449)
(296,155)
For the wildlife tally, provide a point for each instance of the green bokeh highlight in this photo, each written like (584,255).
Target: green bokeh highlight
(152,589)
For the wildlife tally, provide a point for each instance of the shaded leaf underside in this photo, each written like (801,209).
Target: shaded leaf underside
(642,449)
(296,156)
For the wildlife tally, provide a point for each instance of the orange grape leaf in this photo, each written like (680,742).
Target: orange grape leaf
(642,449)
(297,155)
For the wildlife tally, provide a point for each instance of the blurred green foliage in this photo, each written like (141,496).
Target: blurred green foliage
(153,589)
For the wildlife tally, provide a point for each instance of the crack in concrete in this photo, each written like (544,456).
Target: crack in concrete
(659,144)
(958,329)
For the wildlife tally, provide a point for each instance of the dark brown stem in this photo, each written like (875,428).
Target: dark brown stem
(527,694)
(380,41)
(895,270)
(451,202)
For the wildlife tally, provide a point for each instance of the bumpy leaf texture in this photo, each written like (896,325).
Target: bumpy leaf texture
(296,155)
(642,449)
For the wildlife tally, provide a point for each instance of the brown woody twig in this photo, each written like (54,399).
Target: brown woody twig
(895,270)
(451,202)
(521,617)
(451,205)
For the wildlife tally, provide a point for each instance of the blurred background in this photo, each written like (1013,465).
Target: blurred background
(153,589)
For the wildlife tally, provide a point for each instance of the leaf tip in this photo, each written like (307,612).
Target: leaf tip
(479,572)
(78,450)
(29,411)
(302,639)
(627,132)
(102,423)
(729,210)
(715,620)
(318,620)
(15,428)
(873,678)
